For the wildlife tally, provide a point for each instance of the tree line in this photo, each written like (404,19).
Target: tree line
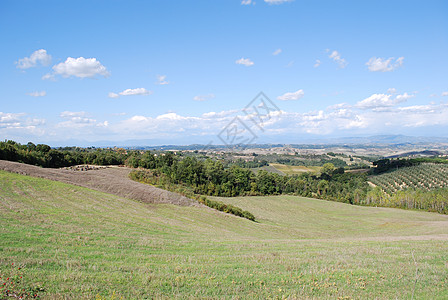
(44,156)
(210,177)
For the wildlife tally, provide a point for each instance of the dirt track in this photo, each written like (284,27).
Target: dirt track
(112,180)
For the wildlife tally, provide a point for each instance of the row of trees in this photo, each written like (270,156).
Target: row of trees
(435,200)
(210,177)
(387,164)
(44,156)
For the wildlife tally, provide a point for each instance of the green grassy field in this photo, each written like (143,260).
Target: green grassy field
(291,170)
(79,243)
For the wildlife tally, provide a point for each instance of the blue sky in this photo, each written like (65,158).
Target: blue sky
(179,72)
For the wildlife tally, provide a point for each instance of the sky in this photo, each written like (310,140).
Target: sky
(191,72)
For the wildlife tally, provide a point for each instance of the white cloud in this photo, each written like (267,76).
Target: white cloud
(37,94)
(418,108)
(247,2)
(113,95)
(38,56)
(76,119)
(391,91)
(161,80)
(221,114)
(48,76)
(244,61)
(17,125)
(404,97)
(384,65)
(170,116)
(291,96)
(277,1)
(317,63)
(80,67)
(204,97)
(277,52)
(130,92)
(339,118)
(10,119)
(137,91)
(445,94)
(380,101)
(339,106)
(71,114)
(336,57)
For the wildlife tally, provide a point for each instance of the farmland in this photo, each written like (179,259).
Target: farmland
(75,242)
(426,176)
(291,170)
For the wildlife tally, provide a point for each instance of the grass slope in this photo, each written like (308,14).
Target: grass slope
(79,243)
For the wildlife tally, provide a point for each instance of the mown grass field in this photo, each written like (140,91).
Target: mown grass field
(291,170)
(78,243)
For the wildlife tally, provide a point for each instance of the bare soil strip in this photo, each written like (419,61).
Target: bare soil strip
(113,180)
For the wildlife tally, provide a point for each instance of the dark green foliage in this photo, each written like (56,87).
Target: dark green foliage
(248,164)
(384,165)
(210,177)
(227,208)
(160,180)
(44,156)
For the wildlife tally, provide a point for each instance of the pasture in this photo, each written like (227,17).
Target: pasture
(75,242)
(291,170)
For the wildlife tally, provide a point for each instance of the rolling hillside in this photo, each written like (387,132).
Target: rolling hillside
(75,242)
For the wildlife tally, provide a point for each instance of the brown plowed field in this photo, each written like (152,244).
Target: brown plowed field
(113,180)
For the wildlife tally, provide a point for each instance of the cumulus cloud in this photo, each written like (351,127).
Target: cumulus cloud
(38,56)
(291,96)
(80,67)
(77,119)
(247,2)
(10,119)
(277,52)
(244,61)
(161,80)
(203,97)
(277,1)
(130,92)
(391,91)
(445,94)
(384,65)
(37,94)
(404,97)
(381,101)
(336,57)
(48,76)
(338,118)
(113,95)
(137,91)
(221,114)
(317,63)
(12,124)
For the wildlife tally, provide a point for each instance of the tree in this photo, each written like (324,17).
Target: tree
(328,168)
(322,187)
